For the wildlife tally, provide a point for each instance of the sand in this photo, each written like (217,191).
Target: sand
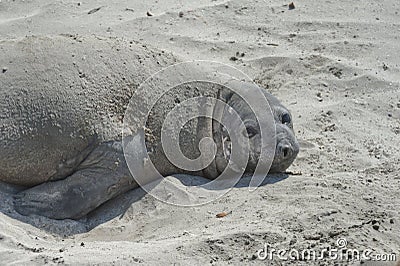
(334,64)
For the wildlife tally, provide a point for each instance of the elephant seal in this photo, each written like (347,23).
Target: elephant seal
(62,103)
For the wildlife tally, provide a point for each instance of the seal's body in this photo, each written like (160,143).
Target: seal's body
(61,122)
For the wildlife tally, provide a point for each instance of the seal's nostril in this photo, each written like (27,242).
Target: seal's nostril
(286,151)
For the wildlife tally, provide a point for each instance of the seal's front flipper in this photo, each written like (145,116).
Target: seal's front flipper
(102,176)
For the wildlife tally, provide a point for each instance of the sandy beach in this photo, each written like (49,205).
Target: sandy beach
(334,64)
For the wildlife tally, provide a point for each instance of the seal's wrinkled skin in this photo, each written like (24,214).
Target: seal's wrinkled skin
(61,119)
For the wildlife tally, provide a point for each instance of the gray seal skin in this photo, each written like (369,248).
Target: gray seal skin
(62,102)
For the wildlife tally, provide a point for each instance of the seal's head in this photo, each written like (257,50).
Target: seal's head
(286,145)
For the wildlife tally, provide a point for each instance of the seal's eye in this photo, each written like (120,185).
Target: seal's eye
(286,119)
(251,131)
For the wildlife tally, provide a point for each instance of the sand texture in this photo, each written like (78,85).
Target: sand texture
(334,64)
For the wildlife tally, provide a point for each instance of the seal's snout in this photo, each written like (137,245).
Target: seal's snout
(285,149)
(285,153)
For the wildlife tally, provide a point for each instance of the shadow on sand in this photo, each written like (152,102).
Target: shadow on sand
(113,208)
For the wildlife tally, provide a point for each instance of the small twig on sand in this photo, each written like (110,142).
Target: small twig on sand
(94,10)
